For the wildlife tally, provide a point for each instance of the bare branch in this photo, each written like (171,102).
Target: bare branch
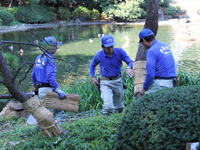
(57,58)
(20,81)
(31,94)
(35,34)
(25,43)
(40,47)
(1,81)
(20,67)
(28,38)
(65,61)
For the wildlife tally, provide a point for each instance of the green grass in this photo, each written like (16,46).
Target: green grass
(186,78)
(89,95)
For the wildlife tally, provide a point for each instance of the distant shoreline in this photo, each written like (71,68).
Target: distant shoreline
(24,27)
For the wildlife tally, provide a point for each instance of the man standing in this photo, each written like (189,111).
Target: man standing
(111,84)
(43,77)
(160,66)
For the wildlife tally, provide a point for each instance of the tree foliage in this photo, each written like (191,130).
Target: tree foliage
(126,10)
(173,10)
(164,3)
(33,14)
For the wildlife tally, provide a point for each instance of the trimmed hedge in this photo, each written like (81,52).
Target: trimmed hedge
(95,14)
(63,13)
(165,119)
(93,133)
(6,17)
(33,14)
(82,12)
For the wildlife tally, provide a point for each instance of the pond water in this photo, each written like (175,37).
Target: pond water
(80,43)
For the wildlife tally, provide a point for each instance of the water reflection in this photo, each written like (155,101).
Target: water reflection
(77,47)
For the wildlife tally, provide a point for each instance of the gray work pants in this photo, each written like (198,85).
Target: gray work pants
(158,84)
(112,93)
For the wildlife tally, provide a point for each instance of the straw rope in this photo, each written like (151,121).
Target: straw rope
(140,73)
(43,116)
(70,103)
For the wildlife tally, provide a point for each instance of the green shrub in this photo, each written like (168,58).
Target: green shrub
(33,14)
(53,16)
(125,10)
(13,10)
(53,9)
(15,23)
(165,119)
(104,15)
(6,17)
(81,12)
(93,133)
(1,22)
(63,13)
(95,14)
(52,13)
(173,10)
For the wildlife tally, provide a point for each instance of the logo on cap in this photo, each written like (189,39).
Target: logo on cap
(109,40)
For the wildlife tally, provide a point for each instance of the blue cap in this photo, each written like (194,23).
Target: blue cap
(107,40)
(144,33)
(51,41)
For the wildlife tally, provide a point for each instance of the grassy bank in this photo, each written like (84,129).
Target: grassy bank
(88,128)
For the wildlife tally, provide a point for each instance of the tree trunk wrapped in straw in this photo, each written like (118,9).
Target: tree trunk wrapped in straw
(43,116)
(140,73)
(70,103)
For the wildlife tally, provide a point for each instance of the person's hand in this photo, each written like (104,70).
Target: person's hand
(129,72)
(62,95)
(94,81)
(142,91)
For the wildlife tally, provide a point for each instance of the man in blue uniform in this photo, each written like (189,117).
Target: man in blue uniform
(43,76)
(111,84)
(160,66)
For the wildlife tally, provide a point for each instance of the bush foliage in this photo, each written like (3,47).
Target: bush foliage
(81,12)
(63,13)
(165,119)
(33,14)
(13,10)
(6,17)
(97,133)
(95,14)
(125,10)
(173,10)
(52,13)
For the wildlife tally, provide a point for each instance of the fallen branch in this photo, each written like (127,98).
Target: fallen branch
(10,96)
